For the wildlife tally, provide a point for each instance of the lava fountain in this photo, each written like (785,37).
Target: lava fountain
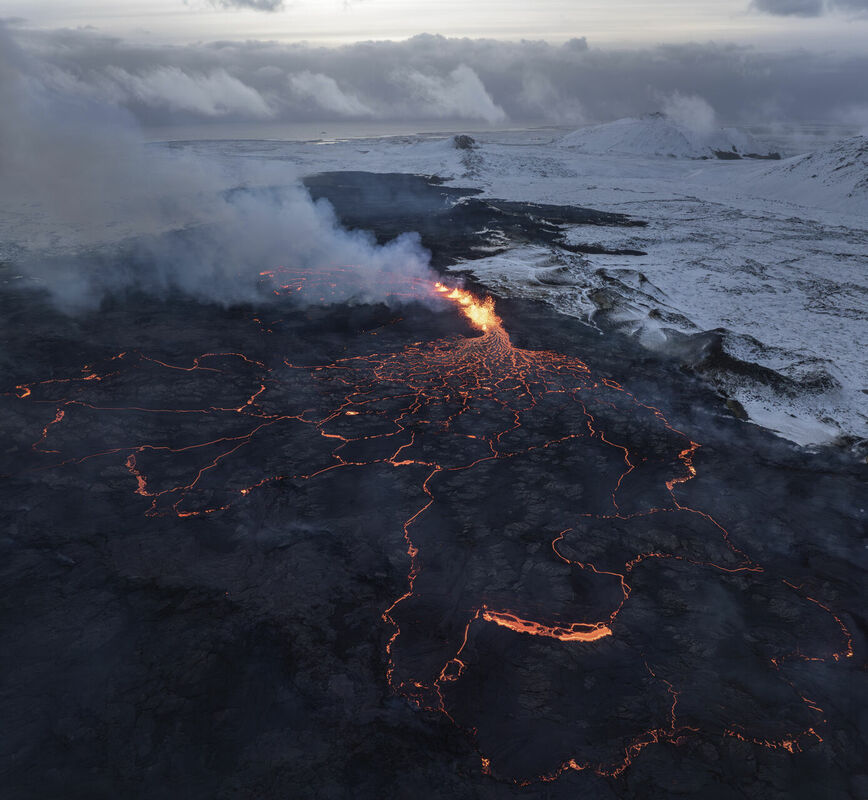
(479,312)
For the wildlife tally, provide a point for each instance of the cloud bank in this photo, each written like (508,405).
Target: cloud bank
(432,77)
(790,8)
(810,8)
(255,5)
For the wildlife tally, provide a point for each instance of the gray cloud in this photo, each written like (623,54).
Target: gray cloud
(809,8)
(325,93)
(433,77)
(256,5)
(791,8)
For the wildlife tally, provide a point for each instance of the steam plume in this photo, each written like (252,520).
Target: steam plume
(93,209)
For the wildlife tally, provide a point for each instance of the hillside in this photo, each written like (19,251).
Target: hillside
(655,135)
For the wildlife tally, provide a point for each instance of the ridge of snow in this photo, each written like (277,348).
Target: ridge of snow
(834,178)
(658,135)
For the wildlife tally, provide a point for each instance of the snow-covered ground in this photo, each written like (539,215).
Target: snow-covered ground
(658,135)
(774,253)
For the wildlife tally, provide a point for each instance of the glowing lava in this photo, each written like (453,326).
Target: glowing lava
(479,312)
(440,408)
(576,632)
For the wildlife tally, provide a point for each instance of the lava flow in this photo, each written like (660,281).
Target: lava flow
(479,312)
(466,417)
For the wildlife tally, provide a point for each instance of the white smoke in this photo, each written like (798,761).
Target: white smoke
(211,94)
(92,208)
(459,95)
(325,93)
(540,94)
(856,115)
(691,112)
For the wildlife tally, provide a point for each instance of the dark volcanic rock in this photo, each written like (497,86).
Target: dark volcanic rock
(201,560)
(462,141)
(453,223)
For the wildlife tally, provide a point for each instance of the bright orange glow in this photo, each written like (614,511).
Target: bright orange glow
(479,312)
(436,386)
(574,632)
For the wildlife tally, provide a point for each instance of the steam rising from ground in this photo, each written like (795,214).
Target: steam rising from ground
(690,111)
(460,95)
(87,208)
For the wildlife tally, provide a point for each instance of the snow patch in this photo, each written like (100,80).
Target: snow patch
(660,135)
(835,178)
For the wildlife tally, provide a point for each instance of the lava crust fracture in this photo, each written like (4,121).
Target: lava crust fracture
(550,530)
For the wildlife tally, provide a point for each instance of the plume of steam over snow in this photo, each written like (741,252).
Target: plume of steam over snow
(691,112)
(209,94)
(93,209)
(326,93)
(460,95)
(857,115)
(71,164)
(252,229)
(540,94)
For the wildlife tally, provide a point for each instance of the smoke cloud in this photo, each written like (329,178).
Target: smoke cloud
(857,115)
(89,208)
(211,95)
(325,93)
(690,111)
(459,95)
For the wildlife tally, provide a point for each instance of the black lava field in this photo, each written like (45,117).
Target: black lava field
(447,546)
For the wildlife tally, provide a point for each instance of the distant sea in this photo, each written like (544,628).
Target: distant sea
(324,131)
(787,138)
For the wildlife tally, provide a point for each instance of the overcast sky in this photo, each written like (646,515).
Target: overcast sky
(503,62)
(816,24)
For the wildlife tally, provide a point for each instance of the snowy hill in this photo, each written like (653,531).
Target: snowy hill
(835,178)
(658,135)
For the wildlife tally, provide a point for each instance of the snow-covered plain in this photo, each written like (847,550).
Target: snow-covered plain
(772,253)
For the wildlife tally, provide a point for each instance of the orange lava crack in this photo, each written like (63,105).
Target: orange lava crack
(486,366)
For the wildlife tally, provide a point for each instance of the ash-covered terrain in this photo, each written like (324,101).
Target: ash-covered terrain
(439,546)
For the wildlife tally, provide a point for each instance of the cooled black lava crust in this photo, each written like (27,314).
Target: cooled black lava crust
(234,644)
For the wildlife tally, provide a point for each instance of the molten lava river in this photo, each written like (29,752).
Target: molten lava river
(562,601)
